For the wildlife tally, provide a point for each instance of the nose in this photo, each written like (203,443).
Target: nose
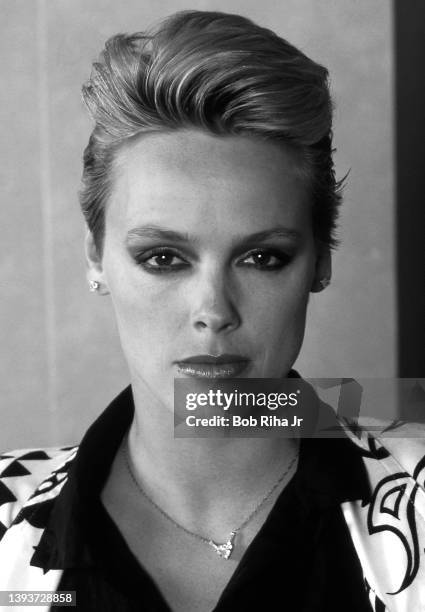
(213,304)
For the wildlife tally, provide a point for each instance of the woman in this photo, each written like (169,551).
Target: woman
(210,199)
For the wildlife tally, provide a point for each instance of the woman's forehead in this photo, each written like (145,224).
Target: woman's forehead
(199,154)
(187,175)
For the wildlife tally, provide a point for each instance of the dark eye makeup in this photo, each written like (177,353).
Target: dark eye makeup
(161,260)
(266,259)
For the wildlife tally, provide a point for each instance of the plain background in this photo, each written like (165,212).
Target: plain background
(61,361)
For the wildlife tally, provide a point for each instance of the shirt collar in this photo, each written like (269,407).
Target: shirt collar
(62,544)
(329,473)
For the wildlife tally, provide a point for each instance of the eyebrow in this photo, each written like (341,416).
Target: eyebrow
(156,232)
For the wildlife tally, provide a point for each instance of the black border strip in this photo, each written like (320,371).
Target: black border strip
(409,36)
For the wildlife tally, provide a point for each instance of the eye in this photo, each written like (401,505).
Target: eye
(161,260)
(266,259)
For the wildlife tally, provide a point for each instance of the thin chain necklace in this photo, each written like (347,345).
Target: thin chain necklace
(223,550)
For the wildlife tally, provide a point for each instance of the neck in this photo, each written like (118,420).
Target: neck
(193,465)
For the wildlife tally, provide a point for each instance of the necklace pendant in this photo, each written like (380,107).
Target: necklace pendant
(224,550)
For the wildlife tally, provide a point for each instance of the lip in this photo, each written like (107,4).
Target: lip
(213,366)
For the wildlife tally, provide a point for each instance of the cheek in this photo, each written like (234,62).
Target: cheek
(284,318)
(279,310)
(283,333)
(147,311)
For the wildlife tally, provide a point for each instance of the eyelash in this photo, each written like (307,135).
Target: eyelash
(283,259)
(143,259)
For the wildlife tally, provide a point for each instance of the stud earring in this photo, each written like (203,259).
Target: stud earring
(324,282)
(93,286)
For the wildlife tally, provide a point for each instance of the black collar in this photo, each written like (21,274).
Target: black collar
(330,471)
(63,543)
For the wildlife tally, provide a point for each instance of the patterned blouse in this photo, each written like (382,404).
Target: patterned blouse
(346,534)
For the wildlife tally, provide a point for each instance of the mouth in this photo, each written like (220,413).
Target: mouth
(210,366)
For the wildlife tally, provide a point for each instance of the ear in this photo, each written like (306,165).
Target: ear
(94,265)
(323,271)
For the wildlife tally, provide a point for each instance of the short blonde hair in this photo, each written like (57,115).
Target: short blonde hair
(220,73)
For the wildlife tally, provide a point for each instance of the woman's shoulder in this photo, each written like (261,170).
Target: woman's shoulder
(391,525)
(28,473)
(397,443)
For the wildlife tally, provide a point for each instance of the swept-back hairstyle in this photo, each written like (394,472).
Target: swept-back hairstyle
(216,72)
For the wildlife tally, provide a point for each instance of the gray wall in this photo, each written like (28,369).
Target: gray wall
(60,355)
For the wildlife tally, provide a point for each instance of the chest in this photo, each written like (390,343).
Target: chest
(188,572)
(188,578)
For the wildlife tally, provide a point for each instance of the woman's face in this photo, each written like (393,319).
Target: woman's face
(208,251)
